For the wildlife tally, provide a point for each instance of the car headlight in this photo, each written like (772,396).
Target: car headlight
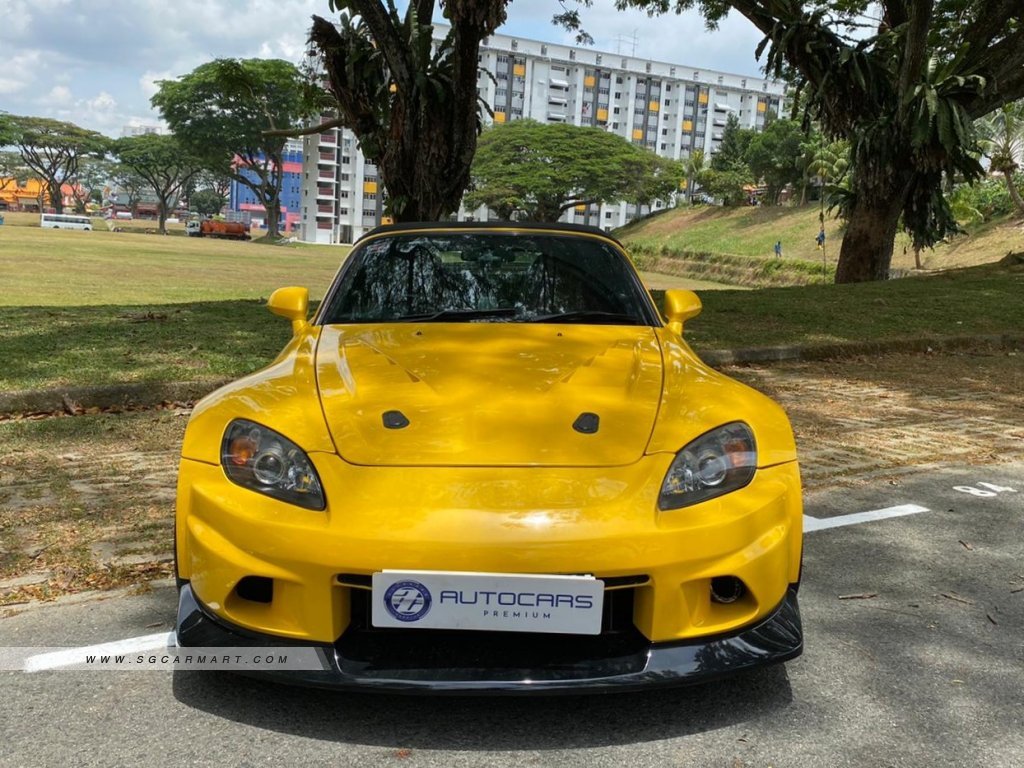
(717,462)
(263,460)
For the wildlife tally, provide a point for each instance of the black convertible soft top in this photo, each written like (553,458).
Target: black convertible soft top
(490,225)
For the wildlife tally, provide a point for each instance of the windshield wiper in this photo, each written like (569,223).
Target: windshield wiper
(588,315)
(458,314)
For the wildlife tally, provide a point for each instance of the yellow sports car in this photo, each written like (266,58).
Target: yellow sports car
(487,464)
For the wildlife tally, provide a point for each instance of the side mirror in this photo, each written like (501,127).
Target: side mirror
(680,306)
(292,303)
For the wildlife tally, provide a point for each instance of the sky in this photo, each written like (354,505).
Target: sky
(95,62)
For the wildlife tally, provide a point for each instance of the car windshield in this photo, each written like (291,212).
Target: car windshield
(476,277)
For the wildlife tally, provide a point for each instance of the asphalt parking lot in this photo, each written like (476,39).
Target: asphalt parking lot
(914,622)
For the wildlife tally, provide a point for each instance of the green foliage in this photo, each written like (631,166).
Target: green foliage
(732,151)
(224,108)
(206,202)
(775,156)
(726,185)
(412,104)
(903,81)
(8,134)
(982,202)
(52,149)
(729,172)
(535,171)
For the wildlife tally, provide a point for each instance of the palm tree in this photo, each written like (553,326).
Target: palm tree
(692,167)
(1002,141)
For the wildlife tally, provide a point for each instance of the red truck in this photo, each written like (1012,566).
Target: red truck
(231,230)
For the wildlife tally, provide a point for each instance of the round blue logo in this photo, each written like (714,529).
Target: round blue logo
(407,600)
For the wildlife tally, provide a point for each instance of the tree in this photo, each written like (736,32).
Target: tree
(726,185)
(648,177)
(732,151)
(206,202)
(537,172)
(53,150)
(132,184)
(692,167)
(903,81)
(13,171)
(88,183)
(226,113)
(413,106)
(775,156)
(729,172)
(1002,140)
(164,163)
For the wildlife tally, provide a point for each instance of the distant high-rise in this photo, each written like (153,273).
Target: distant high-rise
(671,109)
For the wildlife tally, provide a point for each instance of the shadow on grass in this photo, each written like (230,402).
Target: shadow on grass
(54,346)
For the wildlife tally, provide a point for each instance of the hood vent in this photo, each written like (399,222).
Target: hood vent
(587,423)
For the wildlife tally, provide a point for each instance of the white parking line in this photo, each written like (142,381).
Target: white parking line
(821,523)
(72,656)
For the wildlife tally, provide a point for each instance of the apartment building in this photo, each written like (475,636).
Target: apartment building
(671,109)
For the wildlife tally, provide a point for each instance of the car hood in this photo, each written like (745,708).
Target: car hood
(489,394)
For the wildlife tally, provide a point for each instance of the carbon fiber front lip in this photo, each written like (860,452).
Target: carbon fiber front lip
(777,638)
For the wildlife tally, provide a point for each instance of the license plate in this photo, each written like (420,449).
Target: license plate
(496,602)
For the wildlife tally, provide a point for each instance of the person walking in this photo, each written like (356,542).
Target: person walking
(820,239)
(778,249)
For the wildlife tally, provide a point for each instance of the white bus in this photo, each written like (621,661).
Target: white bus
(64,221)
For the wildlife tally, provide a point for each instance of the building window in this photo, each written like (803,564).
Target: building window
(668,102)
(572,55)
(615,111)
(343,211)
(618,80)
(543,50)
(369,213)
(515,45)
(503,58)
(648,66)
(599,58)
(696,75)
(721,79)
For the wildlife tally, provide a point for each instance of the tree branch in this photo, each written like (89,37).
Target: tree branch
(915,48)
(293,133)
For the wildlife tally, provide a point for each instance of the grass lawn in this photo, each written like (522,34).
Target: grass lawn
(80,308)
(974,300)
(71,268)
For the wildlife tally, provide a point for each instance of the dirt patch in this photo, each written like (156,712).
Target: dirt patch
(863,418)
(88,500)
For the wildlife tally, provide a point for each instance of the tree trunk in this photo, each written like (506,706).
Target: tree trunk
(1011,187)
(866,252)
(273,208)
(56,198)
(161,215)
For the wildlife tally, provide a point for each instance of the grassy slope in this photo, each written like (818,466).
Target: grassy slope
(753,232)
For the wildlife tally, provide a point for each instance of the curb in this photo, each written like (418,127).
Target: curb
(70,399)
(146,394)
(810,352)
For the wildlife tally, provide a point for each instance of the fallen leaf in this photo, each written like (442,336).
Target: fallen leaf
(966,545)
(989,617)
(859,596)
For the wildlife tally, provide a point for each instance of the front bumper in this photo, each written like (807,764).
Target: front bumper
(776,638)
